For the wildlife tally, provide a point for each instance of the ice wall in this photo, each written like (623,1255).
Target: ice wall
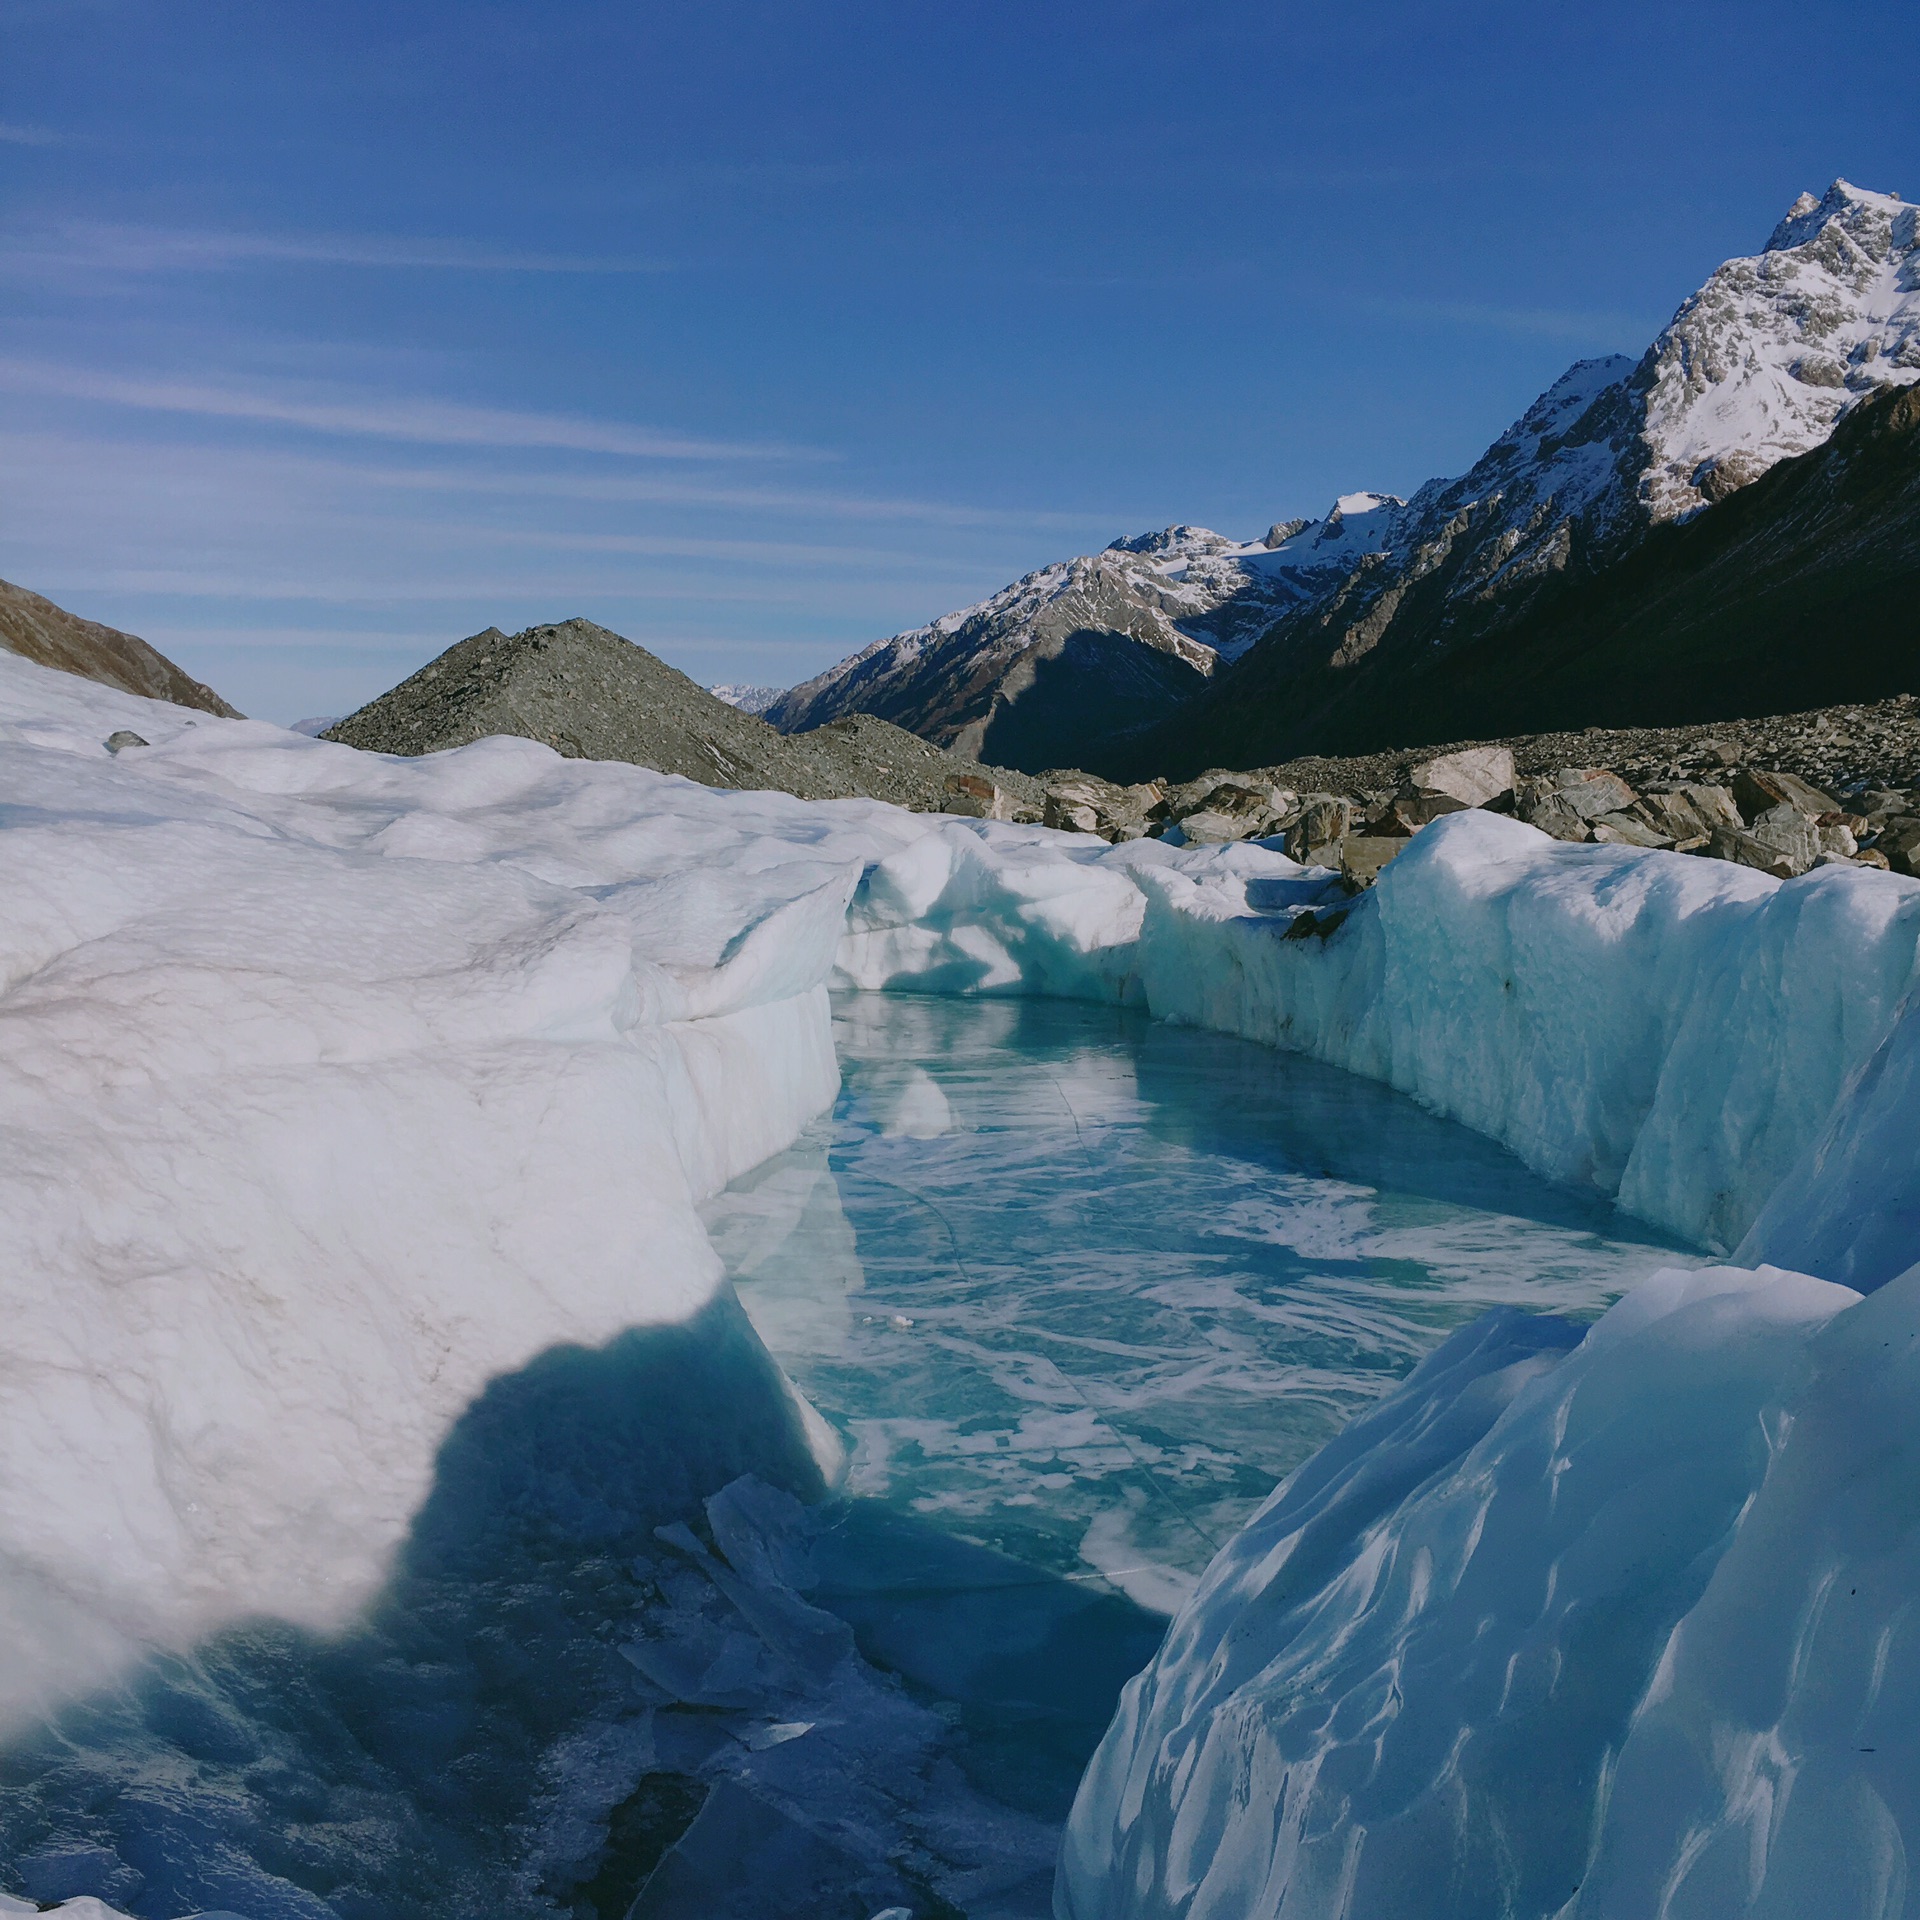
(1601,1631)
(1624,1634)
(333,1088)
(1675,1032)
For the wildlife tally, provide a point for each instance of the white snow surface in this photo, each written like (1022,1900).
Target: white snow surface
(337,1086)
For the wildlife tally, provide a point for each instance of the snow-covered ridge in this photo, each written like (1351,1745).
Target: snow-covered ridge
(748,697)
(1765,358)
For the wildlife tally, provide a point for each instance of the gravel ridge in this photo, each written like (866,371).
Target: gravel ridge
(590,694)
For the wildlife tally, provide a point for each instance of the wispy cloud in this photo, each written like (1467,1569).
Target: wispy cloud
(674,491)
(386,417)
(388,586)
(312,477)
(649,546)
(109,247)
(14,134)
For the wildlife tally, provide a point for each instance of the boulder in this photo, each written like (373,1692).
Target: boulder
(1836,838)
(1072,809)
(1757,791)
(1414,809)
(1552,812)
(1789,832)
(978,798)
(1244,797)
(1592,791)
(1324,821)
(1898,844)
(1362,855)
(1691,812)
(1624,830)
(1473,776)
(1775,845)
(1205,828)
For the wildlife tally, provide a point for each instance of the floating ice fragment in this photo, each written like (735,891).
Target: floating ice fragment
(778,1734)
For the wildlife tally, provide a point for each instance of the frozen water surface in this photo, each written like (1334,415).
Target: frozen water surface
(1078,1288)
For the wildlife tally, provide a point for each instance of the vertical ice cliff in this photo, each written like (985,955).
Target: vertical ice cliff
(1673,1032)
(335,1087)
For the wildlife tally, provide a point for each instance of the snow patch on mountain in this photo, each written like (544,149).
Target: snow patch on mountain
(1761,363)
(745,695)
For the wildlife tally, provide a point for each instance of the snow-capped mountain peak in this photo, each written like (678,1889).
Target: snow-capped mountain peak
(1843,201)
(745,695)
(1756,366)
(1761,362)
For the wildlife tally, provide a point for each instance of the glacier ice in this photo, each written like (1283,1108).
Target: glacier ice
(440,1093)
(1446,1670)
(1673,1032)
(1136,1276)
(358,1115)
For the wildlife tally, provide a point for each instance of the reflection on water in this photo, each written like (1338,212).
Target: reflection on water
(1081,1287)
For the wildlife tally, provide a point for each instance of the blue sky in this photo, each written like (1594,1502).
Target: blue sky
(331,334)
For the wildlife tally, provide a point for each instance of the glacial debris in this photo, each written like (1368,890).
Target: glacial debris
(1783,796)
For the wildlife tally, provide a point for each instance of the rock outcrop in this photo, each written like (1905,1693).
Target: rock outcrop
(592,695)
(34,627)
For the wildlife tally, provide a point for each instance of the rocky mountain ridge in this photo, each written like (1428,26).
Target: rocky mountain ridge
(1758,366)
(1802,587)
(32,626)
(591,694)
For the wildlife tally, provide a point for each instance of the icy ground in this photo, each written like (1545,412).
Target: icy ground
(1082,1287)
(400,1514)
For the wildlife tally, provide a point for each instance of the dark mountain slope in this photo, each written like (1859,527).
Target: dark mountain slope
(52,637)
(1801,589)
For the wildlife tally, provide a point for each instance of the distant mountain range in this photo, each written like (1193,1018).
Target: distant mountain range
(1583,568)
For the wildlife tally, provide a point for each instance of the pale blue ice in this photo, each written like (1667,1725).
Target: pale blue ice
(1083,1287)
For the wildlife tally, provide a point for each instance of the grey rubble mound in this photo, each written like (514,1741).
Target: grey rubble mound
(1875,744)
(50,636)
(592,695)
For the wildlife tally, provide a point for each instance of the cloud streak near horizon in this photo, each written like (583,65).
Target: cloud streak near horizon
(426,422)
(121,247)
